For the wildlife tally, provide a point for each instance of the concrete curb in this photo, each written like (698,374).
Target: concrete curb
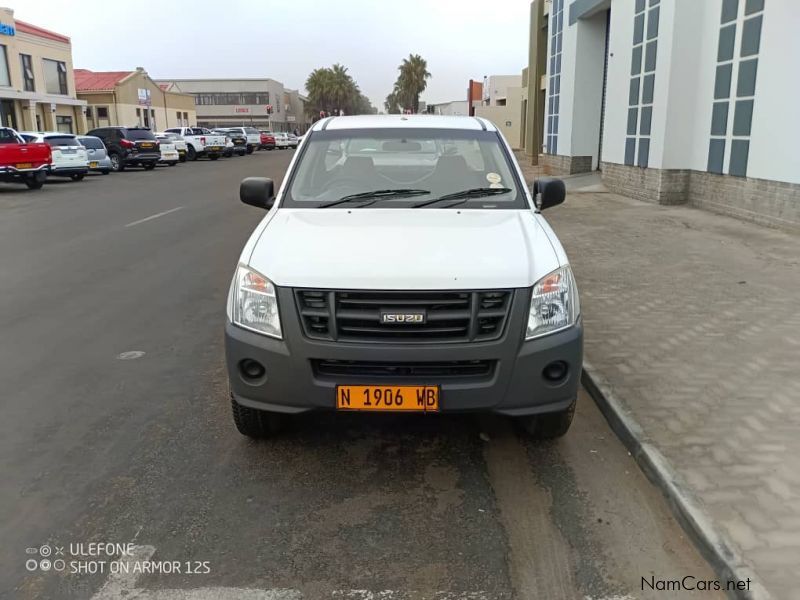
(710,541)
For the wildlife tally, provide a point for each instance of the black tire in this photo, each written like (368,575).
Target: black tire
(173,163)
(116,162)
(213,156)
(256,424)
(149,166)
(190,153)
(249,150)
(34,183)
(105,171)
(77,177)
(548,426)
(183,158)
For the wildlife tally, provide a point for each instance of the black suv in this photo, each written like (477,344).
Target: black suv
(129,146)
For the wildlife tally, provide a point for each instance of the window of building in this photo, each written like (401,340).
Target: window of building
(102,112)
(27,73)
(55,76)
(186,118)
(64,124)
(5,79)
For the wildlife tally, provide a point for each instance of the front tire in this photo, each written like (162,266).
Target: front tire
(249,150)
(549,426)
(256,424)
(191,154)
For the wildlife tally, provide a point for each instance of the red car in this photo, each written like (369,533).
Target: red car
(267,140)
(23,162)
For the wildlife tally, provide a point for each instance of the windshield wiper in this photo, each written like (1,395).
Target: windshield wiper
(466,195)
(377,194)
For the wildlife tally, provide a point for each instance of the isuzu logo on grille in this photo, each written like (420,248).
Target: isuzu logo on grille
(395,317)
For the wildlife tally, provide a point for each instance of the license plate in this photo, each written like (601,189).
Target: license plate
(93,164)
(213,148)
(415,398)
(24,165)
(145,145)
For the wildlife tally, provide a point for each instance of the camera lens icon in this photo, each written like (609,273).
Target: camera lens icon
(45,565)
(59,565)
(45,550)
(31,564)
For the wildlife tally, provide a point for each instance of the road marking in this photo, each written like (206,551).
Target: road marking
(121,584)
(130,355)
(155,216)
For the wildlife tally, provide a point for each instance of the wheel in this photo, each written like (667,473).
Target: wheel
(105,171)
(77,177)
(213,156)
(256,424)
(182,158)
(149,166)
(190,153)
(116,163)
(173,163)
(548,426)
(34,183)
(249,150)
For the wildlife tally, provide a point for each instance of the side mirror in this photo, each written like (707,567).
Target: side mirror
(547,192)
(258,192)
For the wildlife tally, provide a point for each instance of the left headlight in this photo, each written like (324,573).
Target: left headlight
(554,303)
(252,303)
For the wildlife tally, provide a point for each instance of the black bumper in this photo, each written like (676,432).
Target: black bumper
(515,385)
(68,171)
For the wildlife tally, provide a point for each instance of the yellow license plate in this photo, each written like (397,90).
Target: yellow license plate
(415,398)
(146,145)
(213,148)
(93,164)
(24,165)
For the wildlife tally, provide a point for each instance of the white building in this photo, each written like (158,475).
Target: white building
(678,100)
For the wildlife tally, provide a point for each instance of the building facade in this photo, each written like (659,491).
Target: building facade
(131,98)
(260,103)
(37,84)
(678,101)
(502,105)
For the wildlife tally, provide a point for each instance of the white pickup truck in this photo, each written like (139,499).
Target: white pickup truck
(200,142)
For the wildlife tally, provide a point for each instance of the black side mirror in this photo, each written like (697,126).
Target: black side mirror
(547,192)
(258,192)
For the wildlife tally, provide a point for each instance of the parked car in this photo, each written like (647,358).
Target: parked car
(492,324)
(96,153)
(281,140)
(238,141)
(267,140)
(253,137)
(169,153)
(22,161)
(293,141)
(180,143)
(129,146)
(200,142)
(69,157)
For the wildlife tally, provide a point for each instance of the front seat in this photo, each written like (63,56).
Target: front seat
(452,174)
(361,169)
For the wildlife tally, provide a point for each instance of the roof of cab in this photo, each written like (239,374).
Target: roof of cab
(403,121)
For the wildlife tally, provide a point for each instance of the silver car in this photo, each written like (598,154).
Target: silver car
(96,153)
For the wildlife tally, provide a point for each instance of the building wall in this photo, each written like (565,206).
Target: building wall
(506,118)
(28,104)
(497,87)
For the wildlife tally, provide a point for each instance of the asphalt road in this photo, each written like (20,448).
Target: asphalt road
(101,445)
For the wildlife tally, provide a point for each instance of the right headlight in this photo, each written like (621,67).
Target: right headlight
(252,303)
(554,303)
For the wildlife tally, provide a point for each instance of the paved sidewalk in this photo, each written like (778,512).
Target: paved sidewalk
(694,321)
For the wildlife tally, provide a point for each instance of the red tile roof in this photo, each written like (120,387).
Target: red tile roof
(39,31)
(98,81)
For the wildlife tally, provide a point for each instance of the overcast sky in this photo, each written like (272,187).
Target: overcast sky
(286,39)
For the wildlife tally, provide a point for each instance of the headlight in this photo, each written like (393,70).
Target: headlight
(554,303)
(252,303)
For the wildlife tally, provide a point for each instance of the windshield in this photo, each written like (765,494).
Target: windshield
(61,140)
(7,137)
(91,142)
(251,130)
(336,164)
(140,134)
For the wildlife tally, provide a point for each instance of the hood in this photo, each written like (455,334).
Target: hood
(403,249)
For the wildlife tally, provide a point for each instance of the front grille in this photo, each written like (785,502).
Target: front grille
(417,371)
(355,316)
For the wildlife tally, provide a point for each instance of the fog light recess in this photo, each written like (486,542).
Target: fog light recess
(251,370)
(556,371)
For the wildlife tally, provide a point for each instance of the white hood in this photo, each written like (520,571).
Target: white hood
(403,249)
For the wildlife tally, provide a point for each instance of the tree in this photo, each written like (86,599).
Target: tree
(411,82)
(332,90)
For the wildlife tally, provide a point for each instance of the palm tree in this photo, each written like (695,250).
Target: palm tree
(413,79)
(333,89)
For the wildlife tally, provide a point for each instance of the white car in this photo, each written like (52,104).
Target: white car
(390,282)
(180,143)
(281,140)
(200,142)
(70,158)
(253,137)
(169,152)
(294,141)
